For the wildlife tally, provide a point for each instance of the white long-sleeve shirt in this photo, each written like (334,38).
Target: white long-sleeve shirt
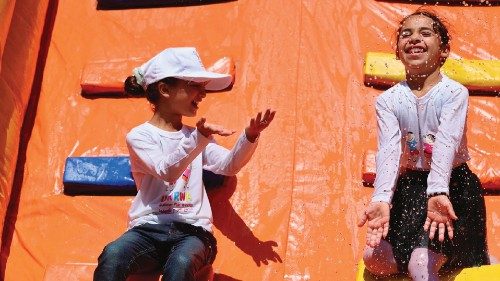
(167,168)
(411,127)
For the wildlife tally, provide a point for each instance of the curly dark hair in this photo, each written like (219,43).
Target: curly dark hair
(133,89)
(439,25)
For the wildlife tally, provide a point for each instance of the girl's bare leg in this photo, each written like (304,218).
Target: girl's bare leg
(425,264)
(380,260)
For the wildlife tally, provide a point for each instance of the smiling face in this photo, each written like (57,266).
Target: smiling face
(419,45)
(184,97)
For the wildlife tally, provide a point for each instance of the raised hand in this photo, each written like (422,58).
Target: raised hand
(377,215)
(208,129)
(258,124)
(440,216)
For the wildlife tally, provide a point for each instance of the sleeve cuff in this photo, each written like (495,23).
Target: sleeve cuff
(431,191)
(247,141)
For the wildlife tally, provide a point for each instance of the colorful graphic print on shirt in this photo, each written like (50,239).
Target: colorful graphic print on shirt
(428,143)
(412,143)
(429,140)
(177,198)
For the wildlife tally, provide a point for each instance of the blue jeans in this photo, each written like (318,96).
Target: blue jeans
(149,248)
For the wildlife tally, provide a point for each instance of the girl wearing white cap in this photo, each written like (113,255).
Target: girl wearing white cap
(170,220)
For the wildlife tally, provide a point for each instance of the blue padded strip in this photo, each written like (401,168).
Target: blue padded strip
(110,176)
(98,175)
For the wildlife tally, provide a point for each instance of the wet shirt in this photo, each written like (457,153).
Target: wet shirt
(167,169)
(420,133)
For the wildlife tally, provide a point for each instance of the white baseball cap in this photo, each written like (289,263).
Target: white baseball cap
(182,63)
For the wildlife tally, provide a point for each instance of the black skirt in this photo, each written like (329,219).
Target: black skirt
(409,211)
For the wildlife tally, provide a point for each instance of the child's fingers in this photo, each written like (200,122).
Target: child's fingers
(384,220)
(252,122)
(427,224)
(449,226)
(362,219)
(432,231)
(380,232)
(441,230)
(268,119)
(369,236)
(373,223)
(258,118)
(386,229)
(372,240)
(375,239)
(223,132)
(266,114)
(271,117)
(201,122)
(451,212)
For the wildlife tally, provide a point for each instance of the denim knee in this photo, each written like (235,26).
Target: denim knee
(185,260)
(179,267)
(180,261)
(111,264)
(114,255)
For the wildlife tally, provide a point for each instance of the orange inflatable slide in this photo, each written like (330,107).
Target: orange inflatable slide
(291,213)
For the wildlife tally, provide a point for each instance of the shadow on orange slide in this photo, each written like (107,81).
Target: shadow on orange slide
(291,213)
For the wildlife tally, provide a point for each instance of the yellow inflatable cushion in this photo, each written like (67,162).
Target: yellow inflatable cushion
(482,273)
(383,69)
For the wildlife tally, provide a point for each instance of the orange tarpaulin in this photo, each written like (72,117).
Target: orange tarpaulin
(299,197)
(6,11)
(21,26)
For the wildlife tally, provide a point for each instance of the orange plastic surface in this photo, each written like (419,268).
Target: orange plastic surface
(291,213)
(106,77)
(20,33)
(8,138)
(6,11)
(85,271)
(448,2)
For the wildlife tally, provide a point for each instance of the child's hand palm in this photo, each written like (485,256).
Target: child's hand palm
(208,129)
(377,215)
(440,216)
(258,124)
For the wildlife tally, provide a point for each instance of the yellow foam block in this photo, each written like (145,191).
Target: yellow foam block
(482,273)
(385,70)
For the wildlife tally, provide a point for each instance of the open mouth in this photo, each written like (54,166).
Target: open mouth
(415,50)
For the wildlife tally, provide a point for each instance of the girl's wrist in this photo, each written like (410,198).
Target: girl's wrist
(204,133)
(251,137)
(434,194)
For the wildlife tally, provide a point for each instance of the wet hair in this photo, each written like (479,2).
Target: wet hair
(439,25)
(152,94)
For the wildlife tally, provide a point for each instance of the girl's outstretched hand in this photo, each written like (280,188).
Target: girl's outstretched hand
(377,214)
(258,124)
(440,216)
(208,129)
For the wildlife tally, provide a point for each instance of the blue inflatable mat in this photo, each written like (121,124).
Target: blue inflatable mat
(98,175)
(110,176)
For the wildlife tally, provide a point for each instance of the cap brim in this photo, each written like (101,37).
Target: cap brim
(216,81)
